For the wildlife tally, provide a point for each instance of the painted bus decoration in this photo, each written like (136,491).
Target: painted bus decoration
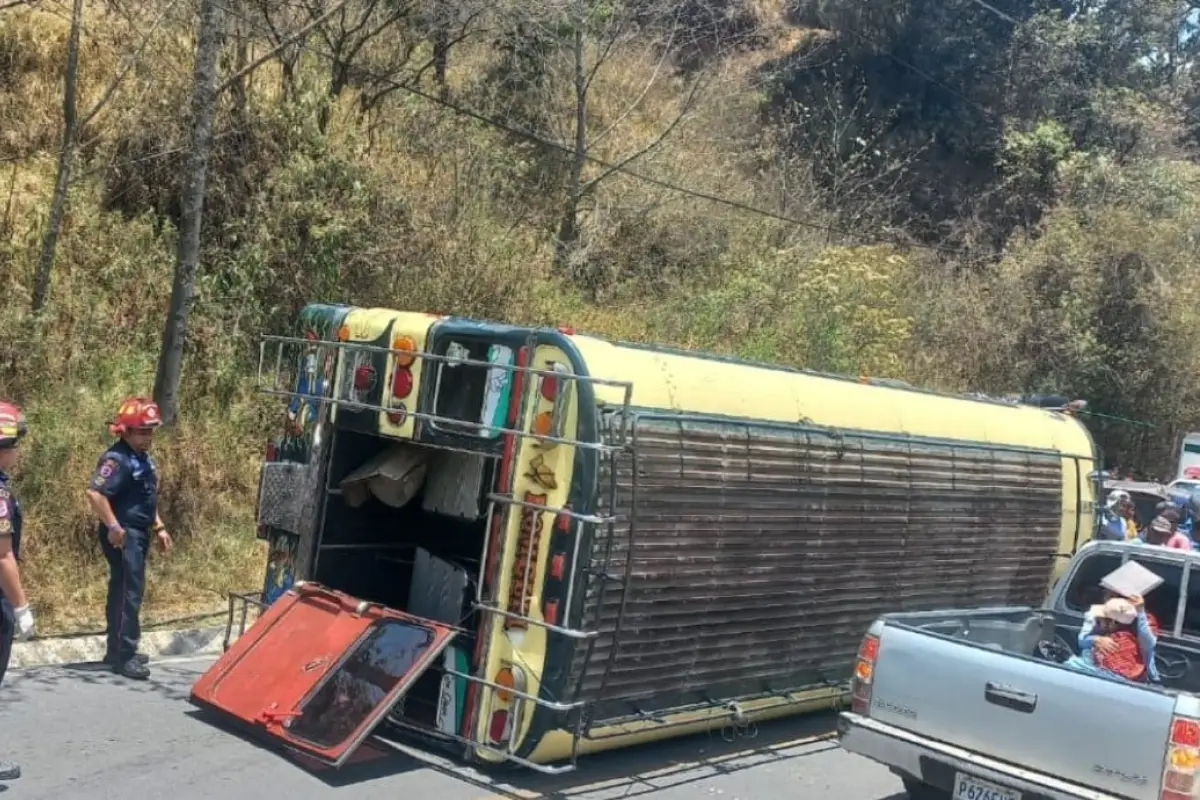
(527,545)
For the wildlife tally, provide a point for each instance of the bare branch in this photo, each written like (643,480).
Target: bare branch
(130,63)
(258,62)
(621,165)
(666,54)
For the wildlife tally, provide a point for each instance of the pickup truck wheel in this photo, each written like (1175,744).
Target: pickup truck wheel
(923,791)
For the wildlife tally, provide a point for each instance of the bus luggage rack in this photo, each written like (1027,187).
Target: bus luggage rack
(339,360)
(297,361)
(322,373)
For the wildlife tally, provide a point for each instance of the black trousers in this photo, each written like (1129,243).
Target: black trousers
(126,584)
(8,627)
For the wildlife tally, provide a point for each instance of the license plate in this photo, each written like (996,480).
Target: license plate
(968,788)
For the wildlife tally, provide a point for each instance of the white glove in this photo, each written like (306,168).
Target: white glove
(24,618)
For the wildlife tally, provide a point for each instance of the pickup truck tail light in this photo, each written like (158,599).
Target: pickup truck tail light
(1180,780)
(864,675)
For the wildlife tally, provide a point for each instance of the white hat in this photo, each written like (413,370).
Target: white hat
(1116,497)
(1118,609)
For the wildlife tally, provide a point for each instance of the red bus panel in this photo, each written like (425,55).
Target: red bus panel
(320,669)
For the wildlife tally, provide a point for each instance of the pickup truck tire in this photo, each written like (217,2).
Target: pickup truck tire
(923,791)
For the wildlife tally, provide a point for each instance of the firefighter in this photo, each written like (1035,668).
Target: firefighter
(15,617)
(124,494)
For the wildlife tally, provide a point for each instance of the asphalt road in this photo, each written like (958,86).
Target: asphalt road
(80,732)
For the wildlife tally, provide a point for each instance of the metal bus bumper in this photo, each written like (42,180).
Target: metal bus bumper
(935,763)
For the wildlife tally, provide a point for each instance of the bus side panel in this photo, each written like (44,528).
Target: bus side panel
(760,553)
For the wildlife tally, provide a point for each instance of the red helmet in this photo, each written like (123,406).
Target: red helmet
(12,424)
(135,413)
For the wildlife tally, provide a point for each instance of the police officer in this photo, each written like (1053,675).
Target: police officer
(124,494)
(15,616)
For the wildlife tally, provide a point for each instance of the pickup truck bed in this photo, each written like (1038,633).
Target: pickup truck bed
(959,704)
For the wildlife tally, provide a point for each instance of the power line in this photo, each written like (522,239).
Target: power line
(624,169)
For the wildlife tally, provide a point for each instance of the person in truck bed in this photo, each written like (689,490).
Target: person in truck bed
(1120,642)
(1162,533)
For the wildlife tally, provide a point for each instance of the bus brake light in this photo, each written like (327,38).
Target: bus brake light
(402,383)
(364,378)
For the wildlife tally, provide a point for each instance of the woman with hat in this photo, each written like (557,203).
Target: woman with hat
(1129,637)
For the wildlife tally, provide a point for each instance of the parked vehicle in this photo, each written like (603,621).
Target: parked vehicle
(1188,465)
(576,544)
(976,704)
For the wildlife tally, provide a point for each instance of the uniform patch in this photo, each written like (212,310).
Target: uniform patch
(105,472)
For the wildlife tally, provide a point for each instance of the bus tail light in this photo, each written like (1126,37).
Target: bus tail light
(407,347)
(402,383)
(506,705)
(364,378)
(1179,781)
(498,730)
(864,674)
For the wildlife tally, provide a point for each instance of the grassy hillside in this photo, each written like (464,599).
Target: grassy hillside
(448,206)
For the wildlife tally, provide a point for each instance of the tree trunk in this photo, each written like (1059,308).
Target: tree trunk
(568,226)
(66,158)
(241,80)
(204,104)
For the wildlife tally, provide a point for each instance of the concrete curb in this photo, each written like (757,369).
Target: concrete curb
(81,649)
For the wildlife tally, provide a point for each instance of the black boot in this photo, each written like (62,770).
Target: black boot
(133,669)
(141,658)
(9,772)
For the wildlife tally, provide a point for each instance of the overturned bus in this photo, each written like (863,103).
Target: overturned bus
(529,544)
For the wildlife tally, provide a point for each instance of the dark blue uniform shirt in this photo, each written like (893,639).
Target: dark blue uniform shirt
(129,480)
(10,515)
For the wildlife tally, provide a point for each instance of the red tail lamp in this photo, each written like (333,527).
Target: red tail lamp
(549,388)
(364,378)
(402,383)
(497,725)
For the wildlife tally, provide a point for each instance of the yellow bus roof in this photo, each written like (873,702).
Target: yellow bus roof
(700,383)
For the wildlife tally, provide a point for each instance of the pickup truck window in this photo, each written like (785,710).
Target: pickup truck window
(1163,602)
(1085,591)
(1191,612)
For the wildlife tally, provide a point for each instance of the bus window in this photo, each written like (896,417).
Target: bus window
(462,394)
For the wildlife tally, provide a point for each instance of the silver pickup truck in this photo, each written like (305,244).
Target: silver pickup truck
(976,704)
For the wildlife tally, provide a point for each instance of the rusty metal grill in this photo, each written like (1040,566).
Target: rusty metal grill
(760,555)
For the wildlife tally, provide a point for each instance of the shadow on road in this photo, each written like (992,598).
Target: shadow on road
(171,681)
(627,773)
(642,770)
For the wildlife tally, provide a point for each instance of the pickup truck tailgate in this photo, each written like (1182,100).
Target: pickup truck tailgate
(1105,734)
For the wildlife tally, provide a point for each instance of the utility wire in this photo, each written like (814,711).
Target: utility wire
(623,168)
